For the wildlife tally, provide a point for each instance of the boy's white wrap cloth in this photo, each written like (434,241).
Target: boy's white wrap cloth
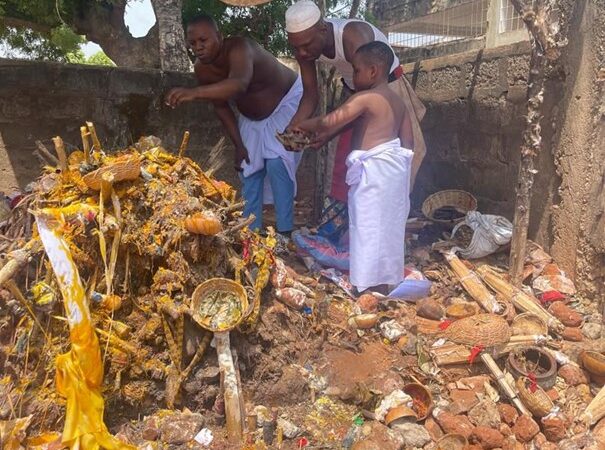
(260,141)
(379,204)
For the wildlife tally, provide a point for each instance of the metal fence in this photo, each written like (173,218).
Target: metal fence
(465,20)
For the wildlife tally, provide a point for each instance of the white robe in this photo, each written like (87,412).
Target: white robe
(379,204)
(259,137)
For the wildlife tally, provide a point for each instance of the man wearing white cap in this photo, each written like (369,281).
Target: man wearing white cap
(335,41)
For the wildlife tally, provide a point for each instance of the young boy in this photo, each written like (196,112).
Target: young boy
(378,173)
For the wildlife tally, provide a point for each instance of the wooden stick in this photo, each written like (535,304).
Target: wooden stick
(60,149)
(508,390)
(233,412)
(96,144)
(184,144)
(85,144)
(472,284)
(450,354)
(18,259)
(48,155)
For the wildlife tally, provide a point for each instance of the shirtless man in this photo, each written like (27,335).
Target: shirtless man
(267,94)
(335,41)
(378,169)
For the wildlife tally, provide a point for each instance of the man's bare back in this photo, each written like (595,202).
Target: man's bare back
(269,82)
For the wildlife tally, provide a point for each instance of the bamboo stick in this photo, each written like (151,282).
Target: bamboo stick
(507,388)
(450,353)
(48,155)
(595,411)
(85,144)
(184,144)
(96,144)
(519,298)
(472,284)
(60,149)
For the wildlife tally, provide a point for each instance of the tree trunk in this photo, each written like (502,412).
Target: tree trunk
(536,15)
(354,9)
(102,22)
(173,54)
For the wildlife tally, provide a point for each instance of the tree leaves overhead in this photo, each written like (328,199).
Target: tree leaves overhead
(45,29)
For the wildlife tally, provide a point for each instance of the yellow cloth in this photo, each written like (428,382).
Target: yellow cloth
(79,371)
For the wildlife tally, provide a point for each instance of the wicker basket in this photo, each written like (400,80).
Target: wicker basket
(537,402)
(461,201)
(487,330)
(529,324)
(200,295)
(245,2)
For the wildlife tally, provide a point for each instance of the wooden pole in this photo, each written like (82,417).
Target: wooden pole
(536,15)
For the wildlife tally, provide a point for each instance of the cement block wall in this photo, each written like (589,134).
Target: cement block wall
(475,116)
(39,100)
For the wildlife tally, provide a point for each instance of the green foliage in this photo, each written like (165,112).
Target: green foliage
(264,23)
(50,37)
(98,59)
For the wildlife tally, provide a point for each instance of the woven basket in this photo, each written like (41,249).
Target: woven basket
(245,2)
(201,293)
(537,402)
(461,201)
(528,324)
(487,330)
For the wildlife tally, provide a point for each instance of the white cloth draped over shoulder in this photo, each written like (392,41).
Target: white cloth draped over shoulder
(259,137)
(379,204)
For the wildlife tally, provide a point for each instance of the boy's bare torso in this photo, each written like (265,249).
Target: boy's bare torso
(382,120)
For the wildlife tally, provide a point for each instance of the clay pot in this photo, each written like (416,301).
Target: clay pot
(594,363)
(205,223)
(566,315)
(452,442)
(400,413)
(528,324)
(461,310)
(534,356)
(572,334)
(429,309)
(422,398)
(367,303)
(363,321)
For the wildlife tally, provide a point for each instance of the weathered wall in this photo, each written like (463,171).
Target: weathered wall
(475,106)
(41,100)
(578,147)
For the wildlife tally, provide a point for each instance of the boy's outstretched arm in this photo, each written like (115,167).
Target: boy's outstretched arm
(327,126)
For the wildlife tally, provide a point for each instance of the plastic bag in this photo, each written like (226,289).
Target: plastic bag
(489,233)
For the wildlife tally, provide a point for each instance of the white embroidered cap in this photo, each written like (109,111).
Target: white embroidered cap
(301,16)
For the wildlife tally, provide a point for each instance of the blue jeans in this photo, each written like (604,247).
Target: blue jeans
(283,195)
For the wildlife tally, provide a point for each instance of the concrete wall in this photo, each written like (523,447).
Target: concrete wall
(475,107)
(41,100)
